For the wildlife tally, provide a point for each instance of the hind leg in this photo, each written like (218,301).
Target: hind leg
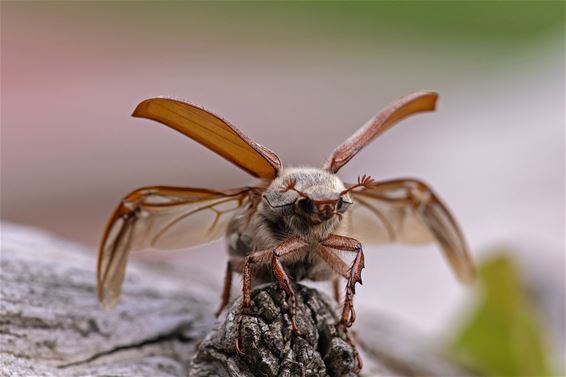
(225,298)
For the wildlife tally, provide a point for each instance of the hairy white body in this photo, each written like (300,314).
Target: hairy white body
(279,216)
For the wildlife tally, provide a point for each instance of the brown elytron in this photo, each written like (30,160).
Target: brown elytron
(293,224)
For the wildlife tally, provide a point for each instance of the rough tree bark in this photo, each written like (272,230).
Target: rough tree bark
(52,325)
(269,348)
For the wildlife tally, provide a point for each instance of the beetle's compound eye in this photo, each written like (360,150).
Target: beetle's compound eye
(342,205)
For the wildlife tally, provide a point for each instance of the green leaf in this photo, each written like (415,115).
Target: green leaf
(503,337)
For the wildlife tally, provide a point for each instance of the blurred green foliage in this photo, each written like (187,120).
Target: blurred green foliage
(503,337)
(513,21)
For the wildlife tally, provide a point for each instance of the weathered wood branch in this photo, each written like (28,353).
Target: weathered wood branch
(269,348)
(52,325)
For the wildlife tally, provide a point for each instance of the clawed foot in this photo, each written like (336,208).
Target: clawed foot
(243,311)
(346,321)
(351,338)
(348,315)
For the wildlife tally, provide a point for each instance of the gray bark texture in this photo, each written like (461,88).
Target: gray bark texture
(51,324)
(269,348)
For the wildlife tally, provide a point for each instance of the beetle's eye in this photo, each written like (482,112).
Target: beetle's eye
(342,204)
(306,205)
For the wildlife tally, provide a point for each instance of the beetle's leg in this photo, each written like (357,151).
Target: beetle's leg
(354,273)
(263,257)
(341,268)
(286,247)
(226,290)
(336,289)
(258,257)
(338,265)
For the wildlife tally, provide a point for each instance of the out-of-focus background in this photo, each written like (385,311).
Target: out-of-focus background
(300,78)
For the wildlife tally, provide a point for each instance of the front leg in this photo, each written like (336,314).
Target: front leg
(264,257)
(286,247)
(354,274)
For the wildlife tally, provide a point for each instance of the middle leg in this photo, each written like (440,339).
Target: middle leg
(286,247)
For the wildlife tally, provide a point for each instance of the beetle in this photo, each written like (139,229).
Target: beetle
(292,224)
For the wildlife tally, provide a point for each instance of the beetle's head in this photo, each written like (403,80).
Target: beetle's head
(313,195)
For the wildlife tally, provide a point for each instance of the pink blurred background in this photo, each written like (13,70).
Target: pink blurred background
(298,78)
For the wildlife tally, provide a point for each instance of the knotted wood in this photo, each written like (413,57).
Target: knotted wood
(270,348)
